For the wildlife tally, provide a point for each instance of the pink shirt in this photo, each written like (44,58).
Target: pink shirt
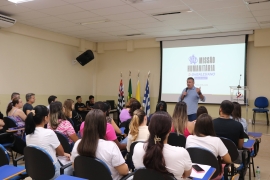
(110,133)
(65,128)
(186,132)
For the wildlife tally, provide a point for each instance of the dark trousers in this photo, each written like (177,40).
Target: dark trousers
(192,117)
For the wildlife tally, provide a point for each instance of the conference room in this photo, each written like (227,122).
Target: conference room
(144,49)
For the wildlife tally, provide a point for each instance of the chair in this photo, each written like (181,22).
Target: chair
(261,103)
(203,156)
(130,154)
(92,168)
(63,141)
(149,174)
(9,123)
(177,140)
(39,164)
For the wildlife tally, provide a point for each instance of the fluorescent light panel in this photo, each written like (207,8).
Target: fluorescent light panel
(19,1)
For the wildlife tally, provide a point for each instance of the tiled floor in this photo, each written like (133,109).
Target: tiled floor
(263,158)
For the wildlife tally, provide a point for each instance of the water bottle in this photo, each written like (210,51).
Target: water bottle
(258,173)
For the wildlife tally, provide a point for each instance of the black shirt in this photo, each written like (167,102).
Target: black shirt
(26,107)
(89,104)
(79,105)
(229,128)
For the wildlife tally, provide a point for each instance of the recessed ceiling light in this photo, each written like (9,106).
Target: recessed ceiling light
(19,1)
(95,22)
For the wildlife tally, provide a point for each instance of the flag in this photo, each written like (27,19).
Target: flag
(146,99)
(121,97)
(138,91)
(129,90)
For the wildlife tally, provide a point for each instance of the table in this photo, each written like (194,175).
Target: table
(207,175)
(66,177)
(255,135)
(9,171)
(249,144)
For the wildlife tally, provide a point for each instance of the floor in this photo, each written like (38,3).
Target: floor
(263,158)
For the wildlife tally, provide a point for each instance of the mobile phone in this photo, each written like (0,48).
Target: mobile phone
(197,168)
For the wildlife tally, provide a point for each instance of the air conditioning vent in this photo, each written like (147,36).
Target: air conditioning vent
(130,35)
(6,21)
(166,13)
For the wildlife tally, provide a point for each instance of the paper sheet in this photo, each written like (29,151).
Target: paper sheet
(200,175)
(63,160)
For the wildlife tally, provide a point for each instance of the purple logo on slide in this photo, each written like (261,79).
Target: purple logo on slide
(192,59)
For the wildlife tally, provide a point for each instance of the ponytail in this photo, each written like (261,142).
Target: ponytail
(10,105)
(30,125)
(136,121)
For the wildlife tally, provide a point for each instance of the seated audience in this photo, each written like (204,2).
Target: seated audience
(181,125)
(110,120)
(110,132)
(237,116)
(80,107)
(51,99)
(37,135)
(94,145)
(157,154)
(226,127)
(201,110)
(1,124)
(58,122)
(161,106)
(90,103)
(14,112)
(30,100)
(124,114)
(204,136)
(14,95)
(71,114)
(138,128)
(133,106)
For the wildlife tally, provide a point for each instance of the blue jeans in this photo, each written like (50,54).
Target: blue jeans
(192,117)
(124,141)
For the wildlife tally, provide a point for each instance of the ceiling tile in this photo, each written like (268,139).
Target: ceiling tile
(74,1)
(165,33)
(265,12)
(86,20)
(147,25)
(112,29)
(233,21)
(124,16)
(166,9)
(77,15)
(230,16)
(73,28)
(156,29)
(224,11)
(13,9)
(185,15)
(66,9)
(43,4)
(190,2)
(189,25)
(98,4)
(126,32)
(138,20)
(114,10)
(204,31)
(259,6)
(63,24)
(175,22)
(156,4)
(5,2)
(45,20)
(83,32)
(238,26)
(217,5)
(103,25)
(29,15)
(263,18)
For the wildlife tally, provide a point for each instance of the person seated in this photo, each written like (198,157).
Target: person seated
(161,106)
(1,124)
(226,127)
(80,107)
(157,154)
(72,115)
(58,122)
(205,137)
(124,114)
(14,112)
(133,106)
(51,99)
(37,135)
(110,120)
(30,100)
(138,128)
(181,124)
(237,116)
(94,145)
(15,95)
(90,103)
(110,132)
(201,110)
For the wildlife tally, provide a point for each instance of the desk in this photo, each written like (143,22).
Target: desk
(207,175)
(249,144)
(9,171)
(66,177)
(256,135)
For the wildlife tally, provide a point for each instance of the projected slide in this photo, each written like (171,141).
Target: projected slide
(214,67)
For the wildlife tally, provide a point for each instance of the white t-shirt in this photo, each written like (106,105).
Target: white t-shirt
(108,152)
(177,159)
(45,139)
(213,144)
(142,136)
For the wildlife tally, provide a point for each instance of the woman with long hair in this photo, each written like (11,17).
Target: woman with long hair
(14,112)
(157,154)
(93,144)
(181,125)
(138,130)
(134,105)
(58,122)
(205,137)
(237,116)
(124,114)
(37,135)
(71,114)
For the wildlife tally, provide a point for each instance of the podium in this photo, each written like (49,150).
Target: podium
(240,95)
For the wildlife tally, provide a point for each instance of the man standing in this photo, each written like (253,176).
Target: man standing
(80,107)
(30,99)
(191,96)
(91,102)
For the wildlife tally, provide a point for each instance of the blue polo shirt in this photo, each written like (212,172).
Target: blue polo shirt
(191,99)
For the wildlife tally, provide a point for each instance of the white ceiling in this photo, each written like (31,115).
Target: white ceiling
(125,17)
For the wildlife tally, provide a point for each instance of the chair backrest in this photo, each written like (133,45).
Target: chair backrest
(261,102)
(9,123)
(149,174)
(91,168)
(4,157)
(38,163)
(232,149)
(130,154)
(63,141)
(177,140)
(203,156)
